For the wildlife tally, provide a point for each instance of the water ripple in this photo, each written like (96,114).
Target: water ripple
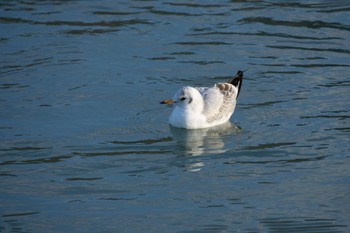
(264,34)
(82,129)
(303,23)
(346,51)
(203,43)
(310,225)
(74,23)
(195,5)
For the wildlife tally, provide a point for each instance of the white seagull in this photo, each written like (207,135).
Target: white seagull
(203,107)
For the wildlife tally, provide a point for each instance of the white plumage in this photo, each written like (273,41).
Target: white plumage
(203,107)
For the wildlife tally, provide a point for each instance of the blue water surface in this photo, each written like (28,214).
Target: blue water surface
(86,147)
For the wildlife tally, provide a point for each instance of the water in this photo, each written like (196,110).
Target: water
(86,147)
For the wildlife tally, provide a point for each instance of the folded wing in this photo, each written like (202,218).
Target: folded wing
(219,100)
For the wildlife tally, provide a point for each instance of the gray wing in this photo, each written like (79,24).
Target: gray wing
(219,100)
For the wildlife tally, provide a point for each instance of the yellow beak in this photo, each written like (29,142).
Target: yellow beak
(169,101)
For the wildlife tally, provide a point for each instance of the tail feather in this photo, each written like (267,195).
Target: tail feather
(237,81)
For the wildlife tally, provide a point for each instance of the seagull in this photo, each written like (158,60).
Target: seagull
(204,107)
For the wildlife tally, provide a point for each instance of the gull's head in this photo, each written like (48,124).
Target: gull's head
(184,97)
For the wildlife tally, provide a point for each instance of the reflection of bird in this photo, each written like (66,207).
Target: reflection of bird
(203,141)
(203,107)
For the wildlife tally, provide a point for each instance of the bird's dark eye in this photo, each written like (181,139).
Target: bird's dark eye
(182,98)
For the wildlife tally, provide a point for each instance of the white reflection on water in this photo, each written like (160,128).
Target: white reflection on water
(196,142)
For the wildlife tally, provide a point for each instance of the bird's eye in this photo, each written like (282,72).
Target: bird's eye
(182,98)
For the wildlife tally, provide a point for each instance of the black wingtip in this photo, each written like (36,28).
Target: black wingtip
(237,81)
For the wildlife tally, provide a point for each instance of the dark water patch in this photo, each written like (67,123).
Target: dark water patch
(2,4)
(75,189)
(182,53)
(336,84)
(115,13)
(145,141)
(242,156)
(324,6)
(302,160)
(213,206)
(8,162)
(7,174)
(311,58)
(236,201)
(311,5)
(278,154)
(343,9)
(148,169)
(12,85)
(336,111)
(266,183)
(159,150)
(184,14)
(319,65)
(6,127)
(20,9)
(77,87)
(161,58)
(42,160)
(116,199)
(200,29)
(310,225)
(89,31)
(52,159)
(269,145)
(36,63)
(300,98)
(47,13)
(163,12)
(200,5)
(317,24)
(264,57)
(255,7)
(340,117)
(75,23)
(84,178)
(148,7)
(202,62)
(342,129)
(28,148)
(282,72)
(76,201)
(273,65)
(69,61)
(264,34)
(203,43)
(310,49)
(320,139)
(19,214)
(10,69)
(45,105)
